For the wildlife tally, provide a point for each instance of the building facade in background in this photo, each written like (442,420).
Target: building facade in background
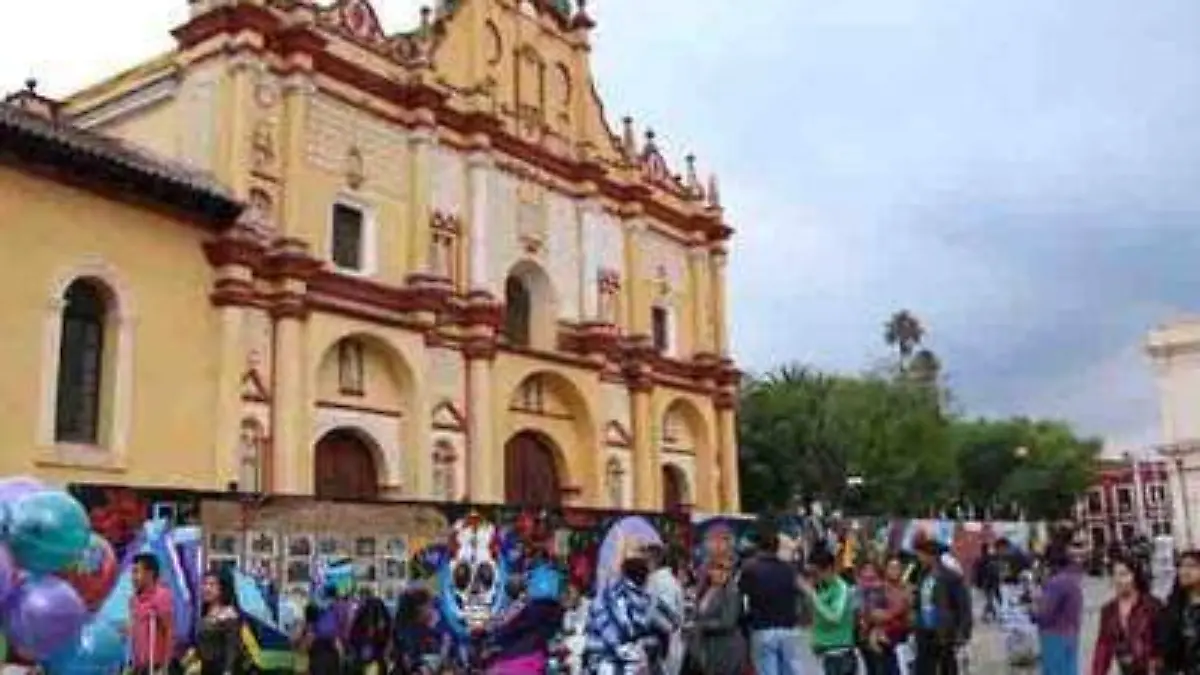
(1174,350)
(449,280)
(1128,499)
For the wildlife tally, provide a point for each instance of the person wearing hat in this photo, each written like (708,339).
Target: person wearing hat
(943,612)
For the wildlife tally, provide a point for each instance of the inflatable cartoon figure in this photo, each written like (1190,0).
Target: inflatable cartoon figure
(472,580)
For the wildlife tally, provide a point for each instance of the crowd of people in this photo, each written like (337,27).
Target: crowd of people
(750,612)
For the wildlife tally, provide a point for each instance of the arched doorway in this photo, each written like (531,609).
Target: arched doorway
(674,489)
(531,471)
(345,467)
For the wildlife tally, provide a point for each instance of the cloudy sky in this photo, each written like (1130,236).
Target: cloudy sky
(1022,174)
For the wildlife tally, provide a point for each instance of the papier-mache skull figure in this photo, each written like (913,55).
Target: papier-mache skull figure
(474,576)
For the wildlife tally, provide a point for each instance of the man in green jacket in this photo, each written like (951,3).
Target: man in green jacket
(833,614)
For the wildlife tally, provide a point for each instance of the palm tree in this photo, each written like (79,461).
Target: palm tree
(903,332)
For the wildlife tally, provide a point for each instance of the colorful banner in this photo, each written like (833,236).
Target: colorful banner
(285,552)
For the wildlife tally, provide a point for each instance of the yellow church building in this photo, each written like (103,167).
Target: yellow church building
(299,255)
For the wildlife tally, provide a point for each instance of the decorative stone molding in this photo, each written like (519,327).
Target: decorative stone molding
(384,431)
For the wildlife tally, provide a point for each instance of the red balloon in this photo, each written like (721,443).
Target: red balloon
(95,573)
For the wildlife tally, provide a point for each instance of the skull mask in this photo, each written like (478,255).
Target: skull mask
(476,573)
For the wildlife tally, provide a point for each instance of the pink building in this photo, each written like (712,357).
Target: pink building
(1113,510)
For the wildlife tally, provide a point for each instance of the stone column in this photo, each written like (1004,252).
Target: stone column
(647,469)
(233,163)
(702,338)
(291,401)
(589,268)
(731,498)
(636,306)
(479,173)
(485,462)
(721,320)
(291,443)
(420,148)
(230,364)
(297,91)
(233,256)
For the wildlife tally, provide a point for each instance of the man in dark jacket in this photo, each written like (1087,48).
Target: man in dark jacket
(943,618)
(772,594)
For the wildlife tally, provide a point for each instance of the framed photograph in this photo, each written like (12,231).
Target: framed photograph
(262,544)
(224,544)
(364,547)
(396,547)
(329,545)
(298,572)
(395,570)
(300,546)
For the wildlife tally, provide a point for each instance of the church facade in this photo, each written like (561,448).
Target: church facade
(364,265)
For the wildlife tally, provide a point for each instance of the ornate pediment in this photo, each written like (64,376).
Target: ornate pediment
(617,436)
(447,417)
(253,389)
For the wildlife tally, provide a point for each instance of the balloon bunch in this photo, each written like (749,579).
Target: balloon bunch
(54,573)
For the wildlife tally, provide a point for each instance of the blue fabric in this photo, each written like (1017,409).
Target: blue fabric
(618,621)
(1060,654)
(777,651)
(545,583)
(929,613)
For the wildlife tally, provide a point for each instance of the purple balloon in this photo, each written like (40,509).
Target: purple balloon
(12,489)
(45,615)
(8,576)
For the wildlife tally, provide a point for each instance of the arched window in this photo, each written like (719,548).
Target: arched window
(614,480)
(517,311)
(81,363)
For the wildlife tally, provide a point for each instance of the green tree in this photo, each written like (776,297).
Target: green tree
(1035,467)
(804,433)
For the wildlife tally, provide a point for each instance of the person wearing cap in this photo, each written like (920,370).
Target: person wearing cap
(943,612)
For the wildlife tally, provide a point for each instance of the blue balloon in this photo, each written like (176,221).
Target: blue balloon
(99,649)
(47,531)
